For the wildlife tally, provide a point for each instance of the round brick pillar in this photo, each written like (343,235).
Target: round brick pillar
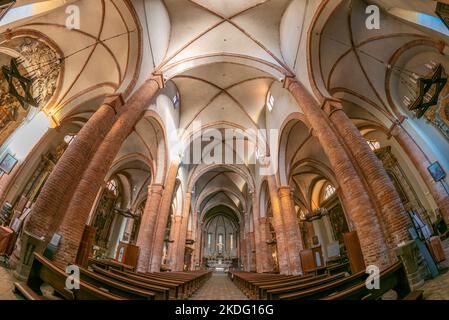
(356,199)
(291,229)
(265,236)
(393,214)
(77,214)
(182,235)
(162,219)
(173,247)
(278,225)
(146,231)
(421,162)
(260,241)
(56,192)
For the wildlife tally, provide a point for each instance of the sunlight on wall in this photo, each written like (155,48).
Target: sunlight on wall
(28,135)
(425,20)
(30,10)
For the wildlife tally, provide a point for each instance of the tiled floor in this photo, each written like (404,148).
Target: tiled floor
(219,287)
(6,285)
(438,288)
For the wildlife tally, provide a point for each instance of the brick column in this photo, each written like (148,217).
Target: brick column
(146,231)
(421,162)
(162,219)
(356,199)
(77,214)
(243,248)
(259,243)
(173,247)
(278,225)
(265,236)
(181,246)
(198,242)
(55,195)
(393,214)
(291,229)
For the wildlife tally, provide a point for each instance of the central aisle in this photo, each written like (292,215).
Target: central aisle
(219,287)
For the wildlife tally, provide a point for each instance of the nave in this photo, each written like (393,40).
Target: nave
(163,149)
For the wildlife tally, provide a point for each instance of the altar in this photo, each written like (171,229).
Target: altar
(219,265)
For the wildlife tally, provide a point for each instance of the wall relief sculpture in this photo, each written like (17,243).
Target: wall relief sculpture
(36,60)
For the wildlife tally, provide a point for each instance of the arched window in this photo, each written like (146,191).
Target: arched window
(373,144)
(329,191)
(425,20)
(270,101)
(112,186)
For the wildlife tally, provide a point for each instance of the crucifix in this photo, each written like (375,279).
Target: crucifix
(13,77)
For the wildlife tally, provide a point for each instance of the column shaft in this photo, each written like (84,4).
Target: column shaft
(259,243)
(291,229)
(173,247)
(357,202)
(162,219)
(278,225)
(77,214)
(146,232)
(181,248)
(56,193)
(393,213)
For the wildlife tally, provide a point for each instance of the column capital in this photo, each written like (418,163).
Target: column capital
(329,106)
(155,188)
(285,191)
(397,124)
(159,78)
(288,80)
(115,101)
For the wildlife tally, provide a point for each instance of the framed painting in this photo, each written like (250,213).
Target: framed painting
(8,163)
(436,171)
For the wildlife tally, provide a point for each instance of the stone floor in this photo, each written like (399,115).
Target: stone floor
(219,287)
(438,288)
(6,285)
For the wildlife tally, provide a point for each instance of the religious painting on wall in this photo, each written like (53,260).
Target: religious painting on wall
(104,213)
(436,171)
(8,163)
(338,222)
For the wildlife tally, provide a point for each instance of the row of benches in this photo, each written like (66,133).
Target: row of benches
(340,286)
(104,281)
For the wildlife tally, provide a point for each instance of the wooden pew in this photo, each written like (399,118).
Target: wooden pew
(175,287)
(182,284)
(259,287)
(118,288)
(277,292)
(392,278)
(192,280)
(110,264)
(318,290)
(43,271)
(161,291)
(263,290)
(245,280)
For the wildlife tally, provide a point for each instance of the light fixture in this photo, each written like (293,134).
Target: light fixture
(428,90)
(316,214)
(442,11)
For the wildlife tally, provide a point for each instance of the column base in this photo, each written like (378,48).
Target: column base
(29,244)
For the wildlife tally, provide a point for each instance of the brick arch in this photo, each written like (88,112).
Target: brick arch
(285,129)
(161,159)
(211,192)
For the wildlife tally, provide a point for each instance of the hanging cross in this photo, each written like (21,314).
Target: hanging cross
(426,98)
(25,83)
